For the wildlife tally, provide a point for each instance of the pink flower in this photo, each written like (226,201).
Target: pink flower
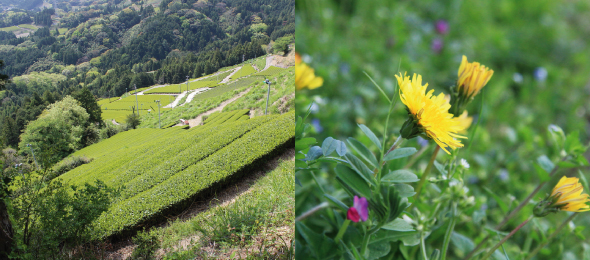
(442,27)
(437,45)
(359,211)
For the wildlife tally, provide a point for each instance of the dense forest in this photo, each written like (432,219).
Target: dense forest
(108,48)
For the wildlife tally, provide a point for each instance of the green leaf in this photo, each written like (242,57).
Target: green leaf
(299,156)
(329,146)
(363,151)
(566,164)
(545,163)
(440,168)
(371,135)
(541,173)
(338,203)
(388,235)
(501,203)
(404,190)
(341,148)
(402,175)
(398,225)
(353,180)
(322,246)
(358,166)
(304,143)
(462,243)
(378,250)
(314,153)
(300,164)
(572,144)
(400,153)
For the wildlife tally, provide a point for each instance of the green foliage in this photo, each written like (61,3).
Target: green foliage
(88,102)
(246,70)
(282,44)
(132,121)
(61,127)
(168,162)
(147,244)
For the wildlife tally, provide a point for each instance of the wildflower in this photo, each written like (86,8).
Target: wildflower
(472,78)
(540,74)
(464,163)
(360,210)
(442,27)
(566,195)
(305,75)
(429,115)
(464,122)
(437,45)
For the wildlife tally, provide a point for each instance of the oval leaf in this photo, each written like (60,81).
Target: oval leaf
(328,146)
(358,166)
(314,153)
(371,135)
(398,225)
(400,153)
(363,151)
(352,180)
(402,175)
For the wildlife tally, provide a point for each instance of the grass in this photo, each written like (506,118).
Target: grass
(62,30)
(246,70)
(283,91)
(10,29)
(260,62)
(28,26)
(252,223)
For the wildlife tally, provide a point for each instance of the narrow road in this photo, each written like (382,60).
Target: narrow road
(226,79)
(192,95)
(199,119)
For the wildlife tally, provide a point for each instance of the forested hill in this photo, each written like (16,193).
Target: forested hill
(108,46)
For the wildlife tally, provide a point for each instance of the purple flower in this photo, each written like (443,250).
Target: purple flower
(437,45)
(316,124)
(442,27)
(360,210)
(540,74)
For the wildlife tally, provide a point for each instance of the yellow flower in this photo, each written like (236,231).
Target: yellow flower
(472,78)
(305,76)
(568,192)
(430,114)
(464,122)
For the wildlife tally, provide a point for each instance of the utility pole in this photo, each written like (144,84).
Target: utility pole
(159,122)
(29,145)
(186,84)
(267,95)
(136,102)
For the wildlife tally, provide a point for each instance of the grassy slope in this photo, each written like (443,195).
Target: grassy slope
(250,223)
(281,95)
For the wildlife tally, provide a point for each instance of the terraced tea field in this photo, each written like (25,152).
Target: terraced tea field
(159,171)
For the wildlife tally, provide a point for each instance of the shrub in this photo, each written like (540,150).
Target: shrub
(147,244)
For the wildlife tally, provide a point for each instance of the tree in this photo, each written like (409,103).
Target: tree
(9,132)
(3,78)
(88,102)
(61,126)
(132,121)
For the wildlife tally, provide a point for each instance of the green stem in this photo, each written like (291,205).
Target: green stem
(538,248)
(423,246)
(449,231)
(317,182)
(512,213)
(476,123)
(313,210)
(365,243)
(426,171)
(491,251)
(342,230)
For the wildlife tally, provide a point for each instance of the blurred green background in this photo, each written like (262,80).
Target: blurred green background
(540,55)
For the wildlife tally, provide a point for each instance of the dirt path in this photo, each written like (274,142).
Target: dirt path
(269,60)
(115,122)
(197,121)
(226,79)
(193,94)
